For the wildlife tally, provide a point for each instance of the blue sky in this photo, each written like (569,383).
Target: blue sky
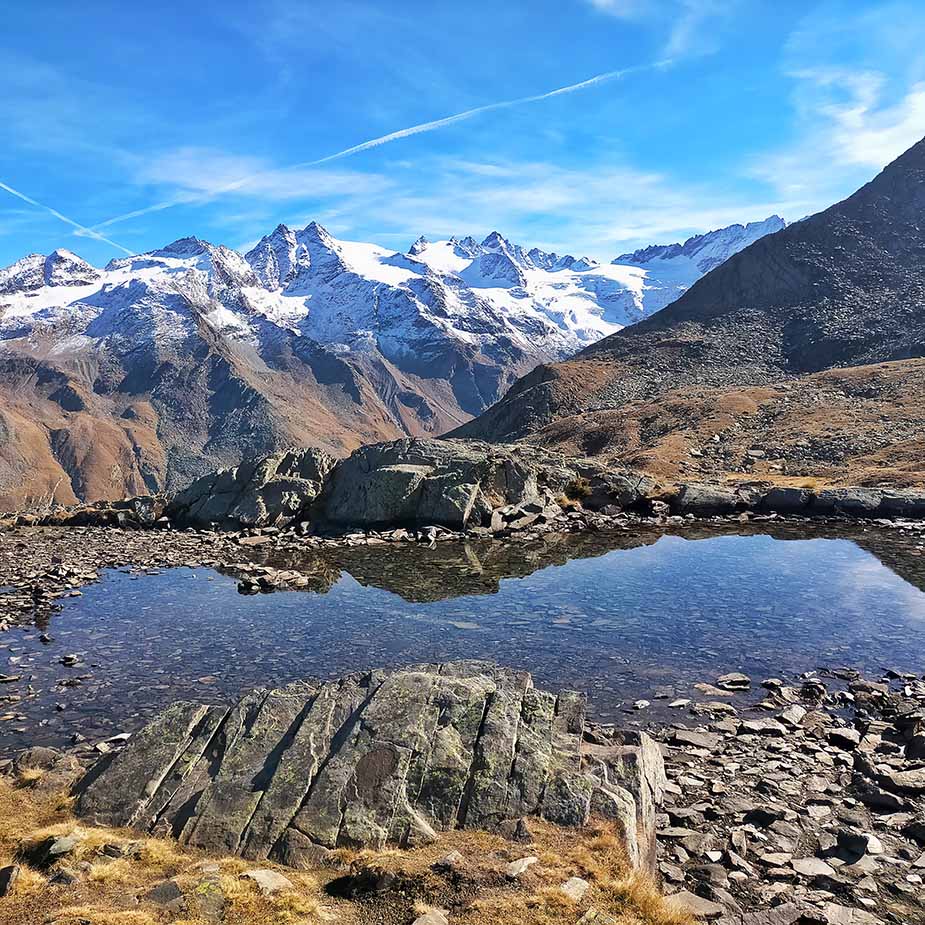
(206,118)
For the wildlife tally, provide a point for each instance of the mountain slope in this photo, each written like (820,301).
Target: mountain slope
(843,288)
(145,373)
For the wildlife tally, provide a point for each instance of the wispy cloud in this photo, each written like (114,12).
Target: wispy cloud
(80,229)
(249,179)
(850,130)
(684,22)
(850,118)
(600,210)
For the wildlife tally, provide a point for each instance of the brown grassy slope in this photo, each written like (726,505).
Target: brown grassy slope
(112,891)
(862,425)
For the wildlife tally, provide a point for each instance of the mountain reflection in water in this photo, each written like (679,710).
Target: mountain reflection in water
(419,574)
(621,616)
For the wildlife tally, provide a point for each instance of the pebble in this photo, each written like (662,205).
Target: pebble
(518,867)
(269,881)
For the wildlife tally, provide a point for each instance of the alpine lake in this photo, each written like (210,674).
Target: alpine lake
(622,617)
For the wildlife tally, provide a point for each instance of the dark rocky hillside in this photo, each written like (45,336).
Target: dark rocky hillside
(842,289)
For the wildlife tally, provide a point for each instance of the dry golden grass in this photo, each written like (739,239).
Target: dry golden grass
(854,426)
(483,896)
(112,891)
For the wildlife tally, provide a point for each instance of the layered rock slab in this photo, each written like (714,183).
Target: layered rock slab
(375,759)
(460,483)
(261,491)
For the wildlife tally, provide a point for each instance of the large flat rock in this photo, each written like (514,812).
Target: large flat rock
(375,759)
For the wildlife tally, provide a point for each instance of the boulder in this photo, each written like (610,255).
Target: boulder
(908,502)
(704,500)
(376,759)
(851,502)
(449,483)
(267,491)
(787,500)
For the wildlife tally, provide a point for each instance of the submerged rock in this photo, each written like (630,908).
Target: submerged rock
(388,757)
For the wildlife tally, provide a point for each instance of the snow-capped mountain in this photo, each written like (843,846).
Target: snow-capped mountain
(670,269)
(144,373)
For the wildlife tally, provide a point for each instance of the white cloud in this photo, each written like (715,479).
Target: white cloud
(857,80)
(599,211)
(248,179)
(625,9)
(689,26)
(848,129)
(193,174)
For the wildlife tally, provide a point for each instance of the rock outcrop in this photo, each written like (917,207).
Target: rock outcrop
(267,491)
(383,758)
(709,499)
(459,483)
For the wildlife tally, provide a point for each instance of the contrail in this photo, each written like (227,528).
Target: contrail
(89,232)
(386,139)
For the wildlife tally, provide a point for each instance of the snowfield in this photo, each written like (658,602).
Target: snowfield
(350,295)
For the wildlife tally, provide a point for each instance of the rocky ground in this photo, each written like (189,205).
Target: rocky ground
(809,804)
(801,805)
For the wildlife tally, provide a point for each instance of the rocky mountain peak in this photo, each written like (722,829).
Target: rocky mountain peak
(496,241)
(183,247)
(706,250)
(418,247)
(63,268)
(315,231)
(275,258)
(24,275)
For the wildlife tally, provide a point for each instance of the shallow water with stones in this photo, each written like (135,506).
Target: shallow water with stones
(623,619)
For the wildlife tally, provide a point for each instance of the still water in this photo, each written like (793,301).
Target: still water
(619,623)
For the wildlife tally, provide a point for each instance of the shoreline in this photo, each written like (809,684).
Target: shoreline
(783,800)
(34,576)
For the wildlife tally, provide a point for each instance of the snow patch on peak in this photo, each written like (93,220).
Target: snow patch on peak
(183,247)
(707,250)
(63,268)
(25,274)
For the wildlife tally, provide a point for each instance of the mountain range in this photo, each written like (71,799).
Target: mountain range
(143,374)
(798,357)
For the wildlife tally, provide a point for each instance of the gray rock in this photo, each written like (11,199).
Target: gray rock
(8,877)
(449,483)
(705,740)
(692,904)
(516,868)
(433,917)
(812,867)
(703,500)
(167,894)
(59,770)
(575,888)
(836,914)
(265,491)
(844,737)
(734,681)
(787,500)
(385,758)
(460,483)
(269,881)
(853,502)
